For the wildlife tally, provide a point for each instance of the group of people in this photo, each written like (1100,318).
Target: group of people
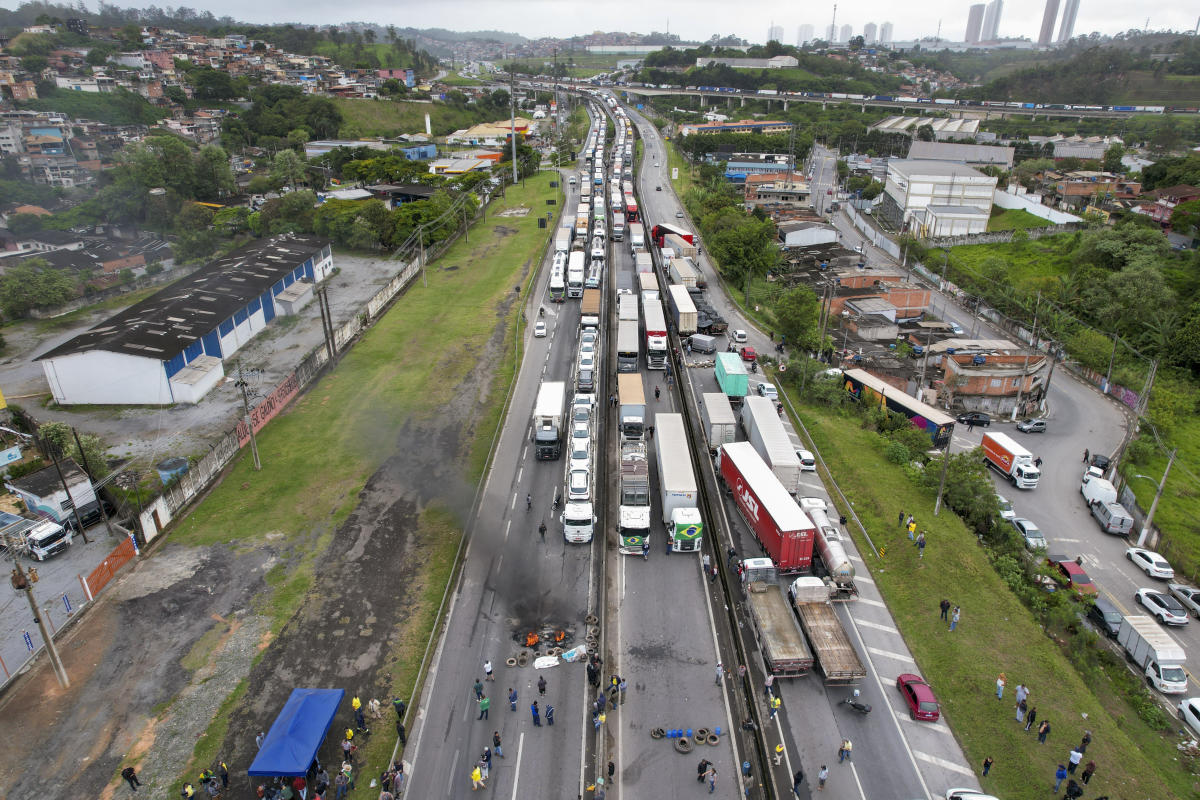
(909,523)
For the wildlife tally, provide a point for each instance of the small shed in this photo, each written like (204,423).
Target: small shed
(42,492)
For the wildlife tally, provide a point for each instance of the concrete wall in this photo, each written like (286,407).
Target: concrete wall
(1016,201)
(103,378)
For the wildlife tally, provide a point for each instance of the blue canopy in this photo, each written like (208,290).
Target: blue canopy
(297,733)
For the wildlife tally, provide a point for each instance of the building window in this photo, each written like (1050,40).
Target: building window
(997,383)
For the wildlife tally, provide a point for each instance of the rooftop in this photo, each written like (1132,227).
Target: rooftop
(45,482)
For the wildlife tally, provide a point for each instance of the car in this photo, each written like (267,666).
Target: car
(1163,607)
(539,329)
(956,329)
(587,336)
(968,794)
(1106,616)
(585,380)
(1006,507)
(739,336)
(678,215)
(587,361)
(1189,712)
(748,353)
(1070,573)
(581,457)
(1150,562)
(767,390)
(974,418)
(1030,533)
(919,697)
(658,188)
(656,163)
(581,413)
(579,486)
(1032,426)
(808,462)
(1100,462)
(587,348)
(1188,596)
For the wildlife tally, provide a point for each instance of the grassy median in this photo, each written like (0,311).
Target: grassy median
(996,634)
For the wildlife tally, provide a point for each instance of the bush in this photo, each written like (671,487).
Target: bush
(897,453)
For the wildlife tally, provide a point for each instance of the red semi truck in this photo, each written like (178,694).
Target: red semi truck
(780,526)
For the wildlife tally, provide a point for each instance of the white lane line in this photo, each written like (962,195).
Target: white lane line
(944,764)
(520,472)
(453,772)
(524,451)
(865,579)
(513,504)
(517,772)
(884,653)
(499,561)
(879,626)
(867,601)
(507,528)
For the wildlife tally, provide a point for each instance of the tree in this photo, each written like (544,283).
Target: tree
(1185,218)
(925,133)
(24,224)
(34,63)
(857,43)
(1112,159)
(212,84)
(797,313)
(33,284)
(214,176)
(287,168)
(61,437)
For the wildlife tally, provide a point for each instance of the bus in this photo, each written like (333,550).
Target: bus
(627,346)
(865,387)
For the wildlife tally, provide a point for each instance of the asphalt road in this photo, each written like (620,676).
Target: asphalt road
(922,759)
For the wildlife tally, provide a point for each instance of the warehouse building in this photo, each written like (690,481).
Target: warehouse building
(170,347)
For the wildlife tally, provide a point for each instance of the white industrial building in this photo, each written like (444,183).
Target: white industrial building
(798,233)
(960,195)
(169,347)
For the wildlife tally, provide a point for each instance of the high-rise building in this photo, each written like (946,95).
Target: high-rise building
(1067,29)
(974,23)
(1049,17)
(869,32)
(804,34)
(991,21)
(885,33)
(846,32)
(775,33)
(831,34)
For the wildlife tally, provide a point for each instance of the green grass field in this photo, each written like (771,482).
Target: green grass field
(996,634)
(1026,266)
(1014,219)
(349,422)
(361,117)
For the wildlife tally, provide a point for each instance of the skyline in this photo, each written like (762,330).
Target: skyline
(695,20)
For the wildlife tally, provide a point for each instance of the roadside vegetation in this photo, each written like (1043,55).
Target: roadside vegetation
(1013,219)
(1010,623)
(390,117)
(350,420)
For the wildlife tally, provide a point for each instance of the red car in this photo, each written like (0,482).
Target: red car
(748,354)
(1070,574)
(919,697)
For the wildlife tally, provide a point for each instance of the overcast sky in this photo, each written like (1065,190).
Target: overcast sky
(698,19)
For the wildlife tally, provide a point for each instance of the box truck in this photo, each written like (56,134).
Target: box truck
(633,505)
(589,310)
(677,486)
(720,423)
(732,377)
(1003,454)
(683,310)
(547,421)
(784,531)
(1156,654)
(765,431)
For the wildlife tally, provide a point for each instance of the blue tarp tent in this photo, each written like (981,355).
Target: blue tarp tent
(297,733)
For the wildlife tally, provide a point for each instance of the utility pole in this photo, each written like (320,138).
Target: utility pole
(241,384)
(1154,505)
(1025,368)
(1111,359)
(24,583)
(63,480)
(91,476)
(512,122)
(937,505)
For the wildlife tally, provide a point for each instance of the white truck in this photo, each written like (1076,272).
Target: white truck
(579,523)
(37,538)
(678,492)
(1005,455)
(562,240)
(633,506)
(766,433)
(1156,654)
(637,237)
(644,262)
(683,273)
(547,421)
(720,423)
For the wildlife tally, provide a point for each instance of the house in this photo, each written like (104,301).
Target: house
(741,126)
(740,165)
(43,493)
(491,134)
(976,155)
(457,166)
(169,347)
(1165,200)
(993,380)
(806,234)
(952,190)
(397,194)
(49,241)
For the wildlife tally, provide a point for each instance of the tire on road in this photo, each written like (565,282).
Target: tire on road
(683,745)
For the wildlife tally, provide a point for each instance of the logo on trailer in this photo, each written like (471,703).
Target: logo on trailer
(746,500)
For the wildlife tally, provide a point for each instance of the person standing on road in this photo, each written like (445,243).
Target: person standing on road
(768,686)
(775,704)
(702,769)
(705,561)
(797,782)
(487,671)
(550,715)
(844,750)
(496,744)
(512,698)
(477,778)
(720,670)
(945,606)
(822,776)
(478,689)
(485,703)
(645,550)
(130,776)
(533,709)
(542,530)
(712,779)
(1086,455)
(542,685)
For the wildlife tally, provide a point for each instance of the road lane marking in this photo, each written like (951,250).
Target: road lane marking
(868,601)
(517,771)
(890,654)
(865,579)
(944,764)
(879,626)
(507,528)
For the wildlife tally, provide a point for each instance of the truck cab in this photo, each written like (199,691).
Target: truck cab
(579,523)
(45,538)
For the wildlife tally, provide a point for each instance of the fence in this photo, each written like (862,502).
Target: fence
(1003,237)
(873,234)
(121,555)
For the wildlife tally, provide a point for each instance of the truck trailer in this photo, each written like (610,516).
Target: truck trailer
(732,377)
(765,431)
(632,399)
(784,650)
(784,531)
(720,423)
(1156,654)
(677,487)
(1002,453)
(547,421)
(683,310)
(835,654)
(589,310)
(830,548)
(684,273)
(633,505)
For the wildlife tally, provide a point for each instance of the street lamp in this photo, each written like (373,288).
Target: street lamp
(1149,521)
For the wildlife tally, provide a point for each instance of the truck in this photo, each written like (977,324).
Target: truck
(659,233)
(678,492)
(683,310)
(39,539)
(1156,654)
(627,308)
(589,310)
(579,523)
(1002,453)
(655,324)
(632,401)
(765,431)
(633,505)
(681,246)
(618,225)
(684,273)
(830,548)
(720,423)
(732,377)
(583,216)
(547,421)
(637,236)
(644,262)
(780,639)
(562,240)
(836,656)
(575,267)
(648,283)
(784,531)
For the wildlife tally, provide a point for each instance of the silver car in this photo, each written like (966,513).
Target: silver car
(579,486)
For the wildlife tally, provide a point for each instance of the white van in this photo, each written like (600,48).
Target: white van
(1097,490)
(1113,518)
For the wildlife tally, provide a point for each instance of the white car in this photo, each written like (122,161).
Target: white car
(656,163)
(1163,607)
(808,462)
(739,336)
(768,391)
(579,486)
(1186,595)
(587,348)
(588,336)
(539,329)
(581,456)
(1006,507)
(967,794)
(587,361)
(1189,712)
(1150,562)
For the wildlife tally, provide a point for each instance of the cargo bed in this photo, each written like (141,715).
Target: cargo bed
(780,640)
(836,655)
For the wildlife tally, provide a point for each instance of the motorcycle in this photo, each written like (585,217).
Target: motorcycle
(856,704)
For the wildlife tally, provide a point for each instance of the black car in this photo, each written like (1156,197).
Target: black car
(975,418)
(1100,461)
(1105,616)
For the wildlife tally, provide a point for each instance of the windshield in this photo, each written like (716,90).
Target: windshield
(1174,675)
(582,519)
(929,706)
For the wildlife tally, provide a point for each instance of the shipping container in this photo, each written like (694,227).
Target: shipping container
(784,531)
